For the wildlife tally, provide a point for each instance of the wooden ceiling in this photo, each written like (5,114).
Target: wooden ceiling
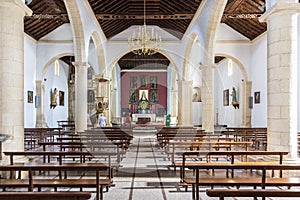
(141,62)
(242,16)
(47,16)
(114,16)
(174,16)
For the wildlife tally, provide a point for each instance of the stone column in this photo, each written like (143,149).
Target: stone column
(71,101)
(113,104)
(282,76)
(40,112)
(12,73)
(80,96)
(246,121)
(185,94)
(174,103)
(207,93)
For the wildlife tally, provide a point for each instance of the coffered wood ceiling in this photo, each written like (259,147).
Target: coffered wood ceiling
(174,16)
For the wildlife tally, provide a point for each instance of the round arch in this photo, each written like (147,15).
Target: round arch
(188,51)
(45,68)
(240,65)
(214,21)
(77,29)
(99,52)
(124,53)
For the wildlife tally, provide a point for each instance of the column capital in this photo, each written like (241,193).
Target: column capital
(183,82)
(18,3)
(81,64)
(280,7)
(208,66)
(101,78)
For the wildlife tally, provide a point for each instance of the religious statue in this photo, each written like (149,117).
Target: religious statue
(234,99)
(53,102)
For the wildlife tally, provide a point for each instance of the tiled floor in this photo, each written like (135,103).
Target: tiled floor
(144,174)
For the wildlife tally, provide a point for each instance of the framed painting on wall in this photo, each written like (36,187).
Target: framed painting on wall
(226,97)
(154,96)
(61,98)
(133,82)
(143,80)
(153,82)
(133,96)
(30,96)
(91,96)
(256,97)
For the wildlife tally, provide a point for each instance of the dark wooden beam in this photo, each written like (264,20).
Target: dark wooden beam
(117,17)
(241,15)
(63,17)
(232,6)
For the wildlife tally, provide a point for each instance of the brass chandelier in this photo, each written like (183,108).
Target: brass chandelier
(142,43)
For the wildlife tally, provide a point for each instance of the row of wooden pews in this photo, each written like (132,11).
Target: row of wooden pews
(82,179)
(263,182)
(177,140)
(232,151)
(256,135)
(67,153)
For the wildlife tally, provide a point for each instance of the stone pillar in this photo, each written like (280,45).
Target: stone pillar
(113,104)
(174,103)
(207,93)
(282,76)
(40,112)
(12,73)
(80,96)
(71,101)
(246,121)
(185,94)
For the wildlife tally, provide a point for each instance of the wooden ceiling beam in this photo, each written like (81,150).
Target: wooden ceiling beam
(117,17)
(241,15)
(232,6)
(63,17)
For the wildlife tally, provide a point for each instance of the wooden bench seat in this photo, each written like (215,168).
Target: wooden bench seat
(45,195)
(238,182)
(86,182)
(232,159)
(222,193)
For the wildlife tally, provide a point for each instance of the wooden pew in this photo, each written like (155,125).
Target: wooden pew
(62,155)
(222,193)
(257,135)
(92,147)
(34,135)
(45,195)
(66,124)
(255,182)
(31,182)
(232,158)
(184,146)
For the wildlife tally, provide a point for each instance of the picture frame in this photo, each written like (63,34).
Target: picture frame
(133,82)
(143,81)
(226,97)
(153,82)
(30,96)
(153,96)
(133,96)
(257,97)
(61,98)
(91,96)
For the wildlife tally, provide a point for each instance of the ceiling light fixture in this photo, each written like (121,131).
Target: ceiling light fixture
(142,43)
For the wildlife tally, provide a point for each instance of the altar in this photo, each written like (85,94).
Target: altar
(143,118)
